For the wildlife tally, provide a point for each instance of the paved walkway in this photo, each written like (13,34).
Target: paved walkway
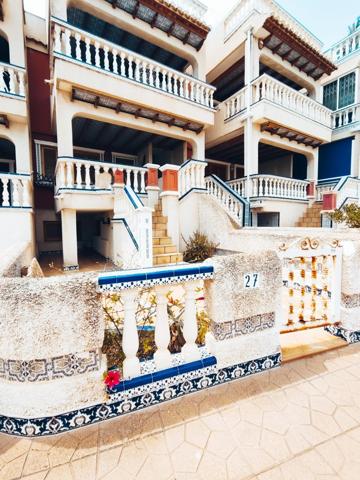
(301,421)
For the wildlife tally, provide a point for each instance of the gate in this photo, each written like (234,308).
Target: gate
(311,284)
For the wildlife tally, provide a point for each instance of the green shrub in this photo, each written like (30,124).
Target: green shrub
(199,248)
(349,214)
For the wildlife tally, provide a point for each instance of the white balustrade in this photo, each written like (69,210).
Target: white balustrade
(79,174)
(12,79)
(345,47)
(192,7)
(345,116)
(228,200)
(242,11)
(271,186)
(77,44)
(268,88)
(192,176)
(158,283)
(324,188)
(15,190)
(235,104)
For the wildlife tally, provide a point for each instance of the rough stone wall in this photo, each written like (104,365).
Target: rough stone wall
(14,258)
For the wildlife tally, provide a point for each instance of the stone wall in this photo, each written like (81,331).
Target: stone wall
(14,258)
(52,330)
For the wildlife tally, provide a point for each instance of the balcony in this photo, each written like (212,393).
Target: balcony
(12,89)
(15,190)
(346,117)
(346,47)
(118,63)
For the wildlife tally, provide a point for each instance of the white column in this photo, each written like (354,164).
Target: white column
(251,153)
(69,238)
(198,146)
(312,165)
(162,355)
(130,345)
(190,350)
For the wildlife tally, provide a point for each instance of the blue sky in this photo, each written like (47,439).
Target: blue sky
(327,19)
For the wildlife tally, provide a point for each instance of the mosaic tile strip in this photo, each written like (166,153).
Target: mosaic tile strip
(308,288)
(49,369)
(243,326)
(350,301)
(348,335)
(203,378)
(148,277)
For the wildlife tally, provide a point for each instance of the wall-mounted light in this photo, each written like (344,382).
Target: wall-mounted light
(260,44)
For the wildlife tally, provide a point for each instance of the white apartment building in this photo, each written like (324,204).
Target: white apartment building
(141,118)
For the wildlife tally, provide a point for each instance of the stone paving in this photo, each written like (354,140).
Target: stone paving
(301,421)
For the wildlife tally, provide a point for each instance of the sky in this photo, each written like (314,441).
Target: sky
(327,19)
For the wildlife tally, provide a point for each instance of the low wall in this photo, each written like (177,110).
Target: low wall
(14,258)
(52,330)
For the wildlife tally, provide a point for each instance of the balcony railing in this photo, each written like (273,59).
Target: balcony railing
(85,175)
(345,47)
(12,80)
(95,52)
(271,186)
(235,104)
(268,88)
(346,116)
(15,190)
(192,7)
(192,176)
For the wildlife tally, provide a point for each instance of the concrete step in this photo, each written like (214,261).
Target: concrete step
(161,240)
(162,249)
(165,259)
(159,233)
(159,227)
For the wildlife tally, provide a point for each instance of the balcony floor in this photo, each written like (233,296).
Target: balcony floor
(300,421)
(89,261)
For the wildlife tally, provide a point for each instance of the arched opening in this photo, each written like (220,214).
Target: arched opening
(4,49)
(7,165)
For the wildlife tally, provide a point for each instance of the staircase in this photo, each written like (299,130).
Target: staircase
(311,218)
(164,251)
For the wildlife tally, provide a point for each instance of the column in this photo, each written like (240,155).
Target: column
(64,127)
(170,200)
(69,239)
(312,165)
(162,355)
(198,147)
(152,184)
(130,343)
(190,350)
(251,154)
(355,156)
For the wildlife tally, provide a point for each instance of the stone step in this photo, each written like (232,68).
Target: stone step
(161,240)
(159,226)
(159,219)
(161,249)
(159,233)
(165,259)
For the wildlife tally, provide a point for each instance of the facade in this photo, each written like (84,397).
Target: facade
(120,120)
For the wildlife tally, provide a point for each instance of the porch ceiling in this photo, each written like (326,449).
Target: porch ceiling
(125,107)
(168,18)
(84,20)
(105,136)
(292,48)
(293,135)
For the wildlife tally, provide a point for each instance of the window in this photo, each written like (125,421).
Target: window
(49,156)
(340,93)
(86,154)
(52,231)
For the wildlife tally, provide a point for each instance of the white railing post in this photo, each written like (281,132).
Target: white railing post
(5,192)
(190,350)
(130,341)
(162,355)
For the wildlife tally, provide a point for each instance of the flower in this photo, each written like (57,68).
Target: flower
(112,378)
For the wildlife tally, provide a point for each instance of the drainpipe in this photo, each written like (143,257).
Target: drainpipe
(248,130)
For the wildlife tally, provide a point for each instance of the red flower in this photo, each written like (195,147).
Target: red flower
(112,378)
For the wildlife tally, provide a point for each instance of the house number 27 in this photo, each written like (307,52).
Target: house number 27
(251,280)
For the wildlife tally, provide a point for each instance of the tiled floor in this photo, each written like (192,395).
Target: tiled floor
(89,261)
(301,421)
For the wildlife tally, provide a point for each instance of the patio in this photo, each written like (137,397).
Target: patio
(301,421)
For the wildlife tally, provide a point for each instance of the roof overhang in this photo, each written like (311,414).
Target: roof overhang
(289,46)
(290,134)
(136,110)
(168,18)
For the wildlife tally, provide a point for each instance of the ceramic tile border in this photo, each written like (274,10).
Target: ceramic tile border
(349,336)
(49,368)
(243,326)
(350,300)
(134,401)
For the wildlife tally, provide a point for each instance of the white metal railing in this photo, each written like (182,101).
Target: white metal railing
(345,116)
(130,283)
(192,7)
(266,87)
(349,188)
(79,174)
(323,188)
(312,284)
(271,186)
(236,103)
(15,190)
(234,206)
(111,58)
(345,47)
(12,79)
(192,175)
(245,8)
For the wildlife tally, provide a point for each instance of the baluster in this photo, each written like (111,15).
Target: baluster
(87,176)
(69,175)
(190,350)
(14,185)
(67,42)
(142,181)
(3,86)
(181,88)
(187,84)
(151,75)
(106,58)
(169,85)
(130,343)
(97,54)
(176,87)
(78,182)
(5,192)
(26,200)
(57,39)
(227,105)
(77,46)
(62,179)
(128,177)
(87,50)
(197,92)
(21,83)
(97,173)
(162,355)
(164,83)
(122,65)
(157,77)
(115,68)
(207,96)
(192,91)
(144,73)
(11,80)
(136,186)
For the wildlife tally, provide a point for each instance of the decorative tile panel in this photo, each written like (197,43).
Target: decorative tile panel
(348,335)
(350,301)
(243,326)
(49,369)
(136,399)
